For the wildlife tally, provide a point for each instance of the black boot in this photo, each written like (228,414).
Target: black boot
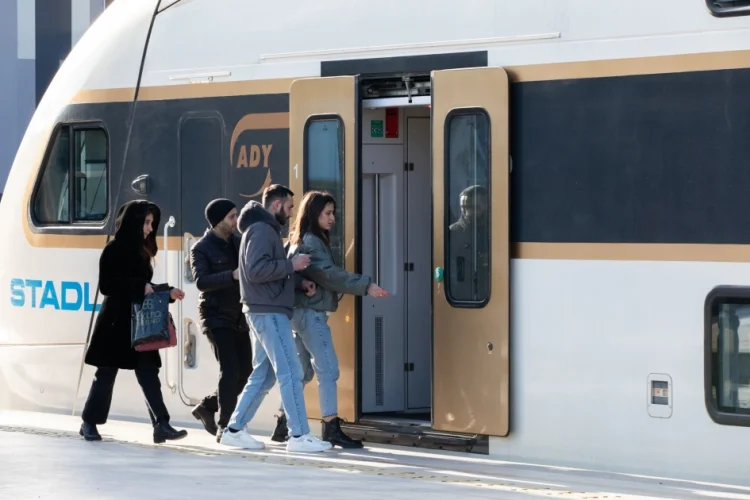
(89,432)
(333,434)
(281,433)
(164,431)
(206,418)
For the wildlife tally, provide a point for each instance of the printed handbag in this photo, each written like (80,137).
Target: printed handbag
(161,344)
(150,319)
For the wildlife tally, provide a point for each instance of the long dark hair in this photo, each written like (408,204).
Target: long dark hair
(313,203)
(129,227)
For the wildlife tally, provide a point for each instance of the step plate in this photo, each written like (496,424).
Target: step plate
(415,435)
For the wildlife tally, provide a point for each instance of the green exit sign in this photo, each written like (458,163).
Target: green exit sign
(376,128)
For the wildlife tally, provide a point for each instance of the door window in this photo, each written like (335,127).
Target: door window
(467,170)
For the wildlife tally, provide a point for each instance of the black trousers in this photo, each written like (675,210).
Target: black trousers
(234,354)
(99,401)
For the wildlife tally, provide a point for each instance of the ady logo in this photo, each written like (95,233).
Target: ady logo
(254,155)
(40,294)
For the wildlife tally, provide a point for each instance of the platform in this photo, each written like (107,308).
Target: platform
(42,456)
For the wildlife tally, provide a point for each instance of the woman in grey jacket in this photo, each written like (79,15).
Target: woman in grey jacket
(310,234)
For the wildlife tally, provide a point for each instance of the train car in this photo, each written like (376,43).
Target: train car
(555,187)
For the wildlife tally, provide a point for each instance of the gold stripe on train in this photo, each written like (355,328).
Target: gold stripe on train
(655,65)
(186,91)
(665,252)
(94,96)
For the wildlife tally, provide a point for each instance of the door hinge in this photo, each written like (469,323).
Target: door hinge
(408,367)
(408,166)
(408,266)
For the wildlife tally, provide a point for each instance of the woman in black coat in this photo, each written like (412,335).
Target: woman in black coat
(125,272)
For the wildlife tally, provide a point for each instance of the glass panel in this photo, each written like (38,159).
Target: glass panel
(324,171)
(730,346)
(467,208)
(51,201)
(91,188)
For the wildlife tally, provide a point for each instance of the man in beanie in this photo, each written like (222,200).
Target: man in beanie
(214,261)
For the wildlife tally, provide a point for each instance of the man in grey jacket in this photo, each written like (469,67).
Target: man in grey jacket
(268,280)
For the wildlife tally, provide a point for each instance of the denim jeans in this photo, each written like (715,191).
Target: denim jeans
(304,359)
(311,327)
(274,358)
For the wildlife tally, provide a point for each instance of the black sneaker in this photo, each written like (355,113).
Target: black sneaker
(281,433)
(333,434)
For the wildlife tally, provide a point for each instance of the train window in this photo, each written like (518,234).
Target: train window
(73,187)
(727,351)
(728,8)
(467,208)
(324,169)
(51,199)
(90,171)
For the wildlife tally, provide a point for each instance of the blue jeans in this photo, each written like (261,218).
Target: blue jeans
(274,358)
(304,359)
(311,327)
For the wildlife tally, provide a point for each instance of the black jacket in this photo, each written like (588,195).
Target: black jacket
(213,260)
(123,275)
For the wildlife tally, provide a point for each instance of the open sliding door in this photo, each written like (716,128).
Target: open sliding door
(322,156)
(470,250)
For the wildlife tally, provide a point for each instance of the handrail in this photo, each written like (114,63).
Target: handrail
(170,223)
(377,229)
(185,326)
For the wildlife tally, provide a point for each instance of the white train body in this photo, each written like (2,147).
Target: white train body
(592,323)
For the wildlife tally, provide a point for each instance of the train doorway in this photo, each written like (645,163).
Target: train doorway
(396,235)
(422,180)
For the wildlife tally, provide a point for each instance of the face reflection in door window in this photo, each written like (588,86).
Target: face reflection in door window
(467,202)
(324,170)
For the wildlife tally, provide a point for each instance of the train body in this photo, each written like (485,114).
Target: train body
(584,321)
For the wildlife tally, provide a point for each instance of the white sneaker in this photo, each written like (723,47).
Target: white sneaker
(307,444)
(241,439)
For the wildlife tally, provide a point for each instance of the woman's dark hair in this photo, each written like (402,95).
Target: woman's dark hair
(129,227)
(313,203)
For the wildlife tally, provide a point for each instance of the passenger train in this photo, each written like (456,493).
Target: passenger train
(593,311)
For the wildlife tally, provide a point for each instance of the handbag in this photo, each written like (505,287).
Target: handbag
(161,344)
(152,326)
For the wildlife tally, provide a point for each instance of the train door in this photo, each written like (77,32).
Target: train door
(322,155)
(201,146)
(470,160)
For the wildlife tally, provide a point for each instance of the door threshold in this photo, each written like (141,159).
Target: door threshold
(418,434)
(403,420)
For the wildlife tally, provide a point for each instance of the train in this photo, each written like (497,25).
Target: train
(555,187)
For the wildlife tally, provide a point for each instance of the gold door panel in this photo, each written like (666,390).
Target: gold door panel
(470,251)
(319,106)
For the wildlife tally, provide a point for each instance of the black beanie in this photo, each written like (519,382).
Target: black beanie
(217,210)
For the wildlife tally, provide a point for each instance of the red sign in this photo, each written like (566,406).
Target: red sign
(391,123)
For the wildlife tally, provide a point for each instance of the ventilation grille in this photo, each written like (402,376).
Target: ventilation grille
(379,361)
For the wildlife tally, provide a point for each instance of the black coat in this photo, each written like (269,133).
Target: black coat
(213,261)
(123,275)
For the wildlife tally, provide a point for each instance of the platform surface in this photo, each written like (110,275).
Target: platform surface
(42,456)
